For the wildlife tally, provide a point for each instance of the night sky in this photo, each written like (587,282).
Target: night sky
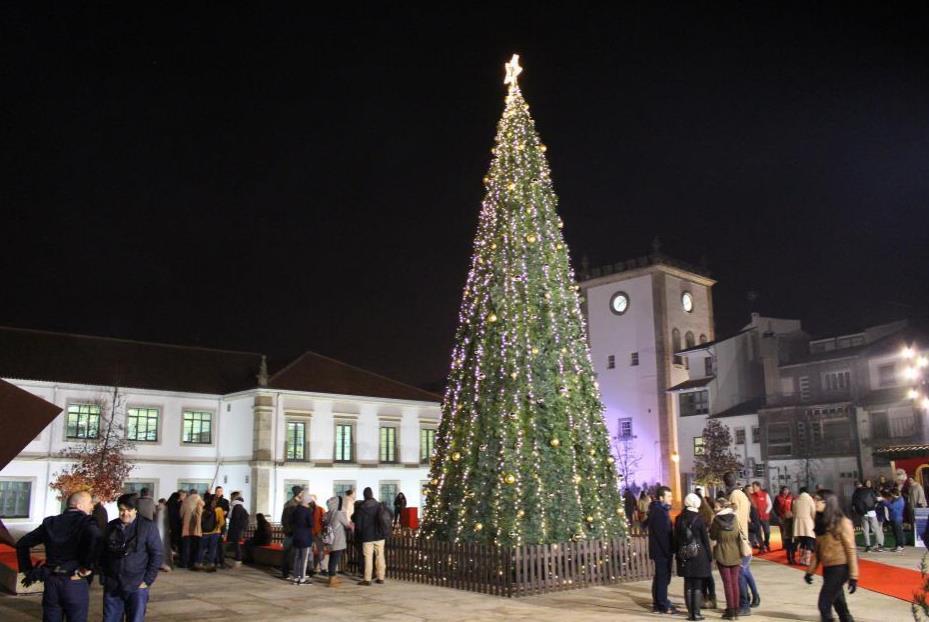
(283,179)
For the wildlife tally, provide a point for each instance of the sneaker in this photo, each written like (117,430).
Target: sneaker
(898,549)
(878,549)
(867,549)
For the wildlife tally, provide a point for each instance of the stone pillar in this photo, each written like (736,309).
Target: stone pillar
(262,463)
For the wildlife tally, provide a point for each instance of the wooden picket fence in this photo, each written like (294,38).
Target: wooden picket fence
(515,571)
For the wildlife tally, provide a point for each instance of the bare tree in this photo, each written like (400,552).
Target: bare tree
(627,459)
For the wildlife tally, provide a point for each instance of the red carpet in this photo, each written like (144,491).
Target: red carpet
(885,579)
(8,557)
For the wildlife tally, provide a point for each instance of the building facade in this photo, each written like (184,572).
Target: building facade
(203,418)
(639,314)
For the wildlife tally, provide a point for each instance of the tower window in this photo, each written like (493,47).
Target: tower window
(611,361)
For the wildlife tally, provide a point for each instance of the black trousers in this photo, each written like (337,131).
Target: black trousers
(832,594)
(709,587)
(898,532)
(660,583)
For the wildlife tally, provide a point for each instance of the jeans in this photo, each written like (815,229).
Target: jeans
(207,550)
(730,576)
(334,558)
(301,557)
(832,595)
(65,598)
(746,583)
(660,583)
(130,604)
(370,550)
(287,559)
(869,524)
(898,532)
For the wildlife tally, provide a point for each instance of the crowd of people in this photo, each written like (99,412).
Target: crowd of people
(730,528)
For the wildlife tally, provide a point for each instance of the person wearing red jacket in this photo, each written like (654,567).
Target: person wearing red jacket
(762,502)
(783,508)
(316,514)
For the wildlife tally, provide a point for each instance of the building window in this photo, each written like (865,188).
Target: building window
(756,434)
(15,498)
(708,366)
(142,424)
(689,340)
(698,446)
(836,380)
(676,347)
(198,427)
(388,451)
(342,488)
(344,448)
(426,444)
(694,403)
(702,338)
(759,470)
(611,361)
(201,486)
(804,382)
(388,492)
(296,441)
(634,359)
(887,375)
(83,421)
(740,436)
(289,484)
(137,486)
(625,427)
(779,442)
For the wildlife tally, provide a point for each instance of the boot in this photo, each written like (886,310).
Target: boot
(731,614)
(334,581)
(693,605)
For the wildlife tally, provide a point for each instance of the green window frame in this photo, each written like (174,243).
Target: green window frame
(344,442)
(295,450)
(142,424)
(426,444)
(83,421)
(197,427)
(15,498)
(388,444)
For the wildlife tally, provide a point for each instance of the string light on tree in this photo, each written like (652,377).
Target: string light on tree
(522,421)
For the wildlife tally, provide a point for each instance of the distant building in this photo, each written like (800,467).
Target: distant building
(204,417)
(639,314)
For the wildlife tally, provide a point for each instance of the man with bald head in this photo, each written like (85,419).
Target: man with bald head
(71,541)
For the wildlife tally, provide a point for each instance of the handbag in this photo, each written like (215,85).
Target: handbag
(744,546)
(691,549)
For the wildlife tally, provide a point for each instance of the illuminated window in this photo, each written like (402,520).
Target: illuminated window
(388,452)
(344,447)
(198,427)
(15,497)
(83,421)
(426,444)
(142,424)
(698,446)
(296,441)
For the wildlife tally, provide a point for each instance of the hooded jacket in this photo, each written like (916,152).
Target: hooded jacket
(70,540)
(367,526)
(339,522)
(238,522)
(804,516)
(725,533)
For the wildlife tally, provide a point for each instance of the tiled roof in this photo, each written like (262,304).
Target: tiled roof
(321,374)
(58,357)
(692,384)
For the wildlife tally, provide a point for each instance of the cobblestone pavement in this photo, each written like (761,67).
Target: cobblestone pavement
(256,595)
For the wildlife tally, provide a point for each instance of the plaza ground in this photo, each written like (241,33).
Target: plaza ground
(256,595)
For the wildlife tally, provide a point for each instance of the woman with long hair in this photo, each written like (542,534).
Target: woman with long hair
(835,551)
(727,552)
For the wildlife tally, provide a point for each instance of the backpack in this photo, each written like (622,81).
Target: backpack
(691,548)
(208,520)
(328,536)
(385,521)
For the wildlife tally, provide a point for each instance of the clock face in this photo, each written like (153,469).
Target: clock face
(619,303)
(687,301)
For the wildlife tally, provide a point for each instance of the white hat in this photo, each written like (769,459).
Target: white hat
(692,502)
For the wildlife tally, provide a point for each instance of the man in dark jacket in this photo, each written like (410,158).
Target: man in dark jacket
(238,523)
(864,502)
(71,540)
(661,548)
(370,531)
(288,528)
(129,561)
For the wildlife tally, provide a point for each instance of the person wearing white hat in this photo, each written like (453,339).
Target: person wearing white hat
(692,553)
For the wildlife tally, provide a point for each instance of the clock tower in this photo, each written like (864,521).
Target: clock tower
(640,314)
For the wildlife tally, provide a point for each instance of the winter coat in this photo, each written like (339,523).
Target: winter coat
(70,540)
(339,522)
(837,549)
(318,513)
(804,516)
(262,535)
(220,520)
(287,517)
(696,567)
(660,534)
(783,507)
(629,505)
(191,510)
(238,523)
(863,500)
(725,533)
(742,508)
(896,507)
(917,496)
(302,523)
(399,503)
(130,555)
(762,502)
(707,513)
(367,523)
(146,507)
(101,517)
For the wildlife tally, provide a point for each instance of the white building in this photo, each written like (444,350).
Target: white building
(204,417)
(639,313)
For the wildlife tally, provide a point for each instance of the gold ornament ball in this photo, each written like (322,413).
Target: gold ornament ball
(478,526)
(610,460)
(435,482)
(554,442)
(543,148)
(456,456)
(510,478)
(425,491)
(530,238)
(592,451)
(590,519)
(521,513)
(577,479)
(619,511)
(492,318)
(511,187)
(514,375)
(535,350)
(559,246)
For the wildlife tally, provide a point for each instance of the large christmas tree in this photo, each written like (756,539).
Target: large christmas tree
(522,453)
